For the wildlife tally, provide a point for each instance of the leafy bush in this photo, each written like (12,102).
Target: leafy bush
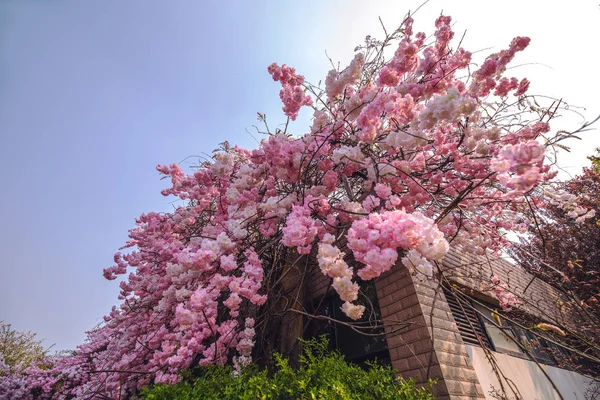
(321,375)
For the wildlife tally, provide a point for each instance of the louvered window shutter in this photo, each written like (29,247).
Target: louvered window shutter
(467,320)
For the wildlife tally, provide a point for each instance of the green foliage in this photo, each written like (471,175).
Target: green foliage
(595,159)
(321,375)
(18,349)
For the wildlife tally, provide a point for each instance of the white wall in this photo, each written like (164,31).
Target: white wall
(527,376)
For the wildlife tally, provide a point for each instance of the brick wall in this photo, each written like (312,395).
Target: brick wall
(431,345)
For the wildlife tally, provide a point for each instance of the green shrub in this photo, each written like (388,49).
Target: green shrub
(322,375)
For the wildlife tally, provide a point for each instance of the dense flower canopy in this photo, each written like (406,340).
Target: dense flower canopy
(404,157)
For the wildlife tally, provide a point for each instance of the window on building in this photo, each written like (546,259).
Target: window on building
(469,325)
(503,340)
(355,346)
(478,325)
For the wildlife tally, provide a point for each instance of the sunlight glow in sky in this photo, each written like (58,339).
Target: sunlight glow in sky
(94,94)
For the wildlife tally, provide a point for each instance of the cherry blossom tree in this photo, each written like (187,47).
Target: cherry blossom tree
(412,148)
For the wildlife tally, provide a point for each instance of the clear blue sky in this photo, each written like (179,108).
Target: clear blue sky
(94,94)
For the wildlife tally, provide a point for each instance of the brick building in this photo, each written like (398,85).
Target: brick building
(433,331)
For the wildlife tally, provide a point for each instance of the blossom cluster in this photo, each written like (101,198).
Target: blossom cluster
(520,165)
(376,239)
(568,202)
(507,299)
(292,94)
(331,261)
